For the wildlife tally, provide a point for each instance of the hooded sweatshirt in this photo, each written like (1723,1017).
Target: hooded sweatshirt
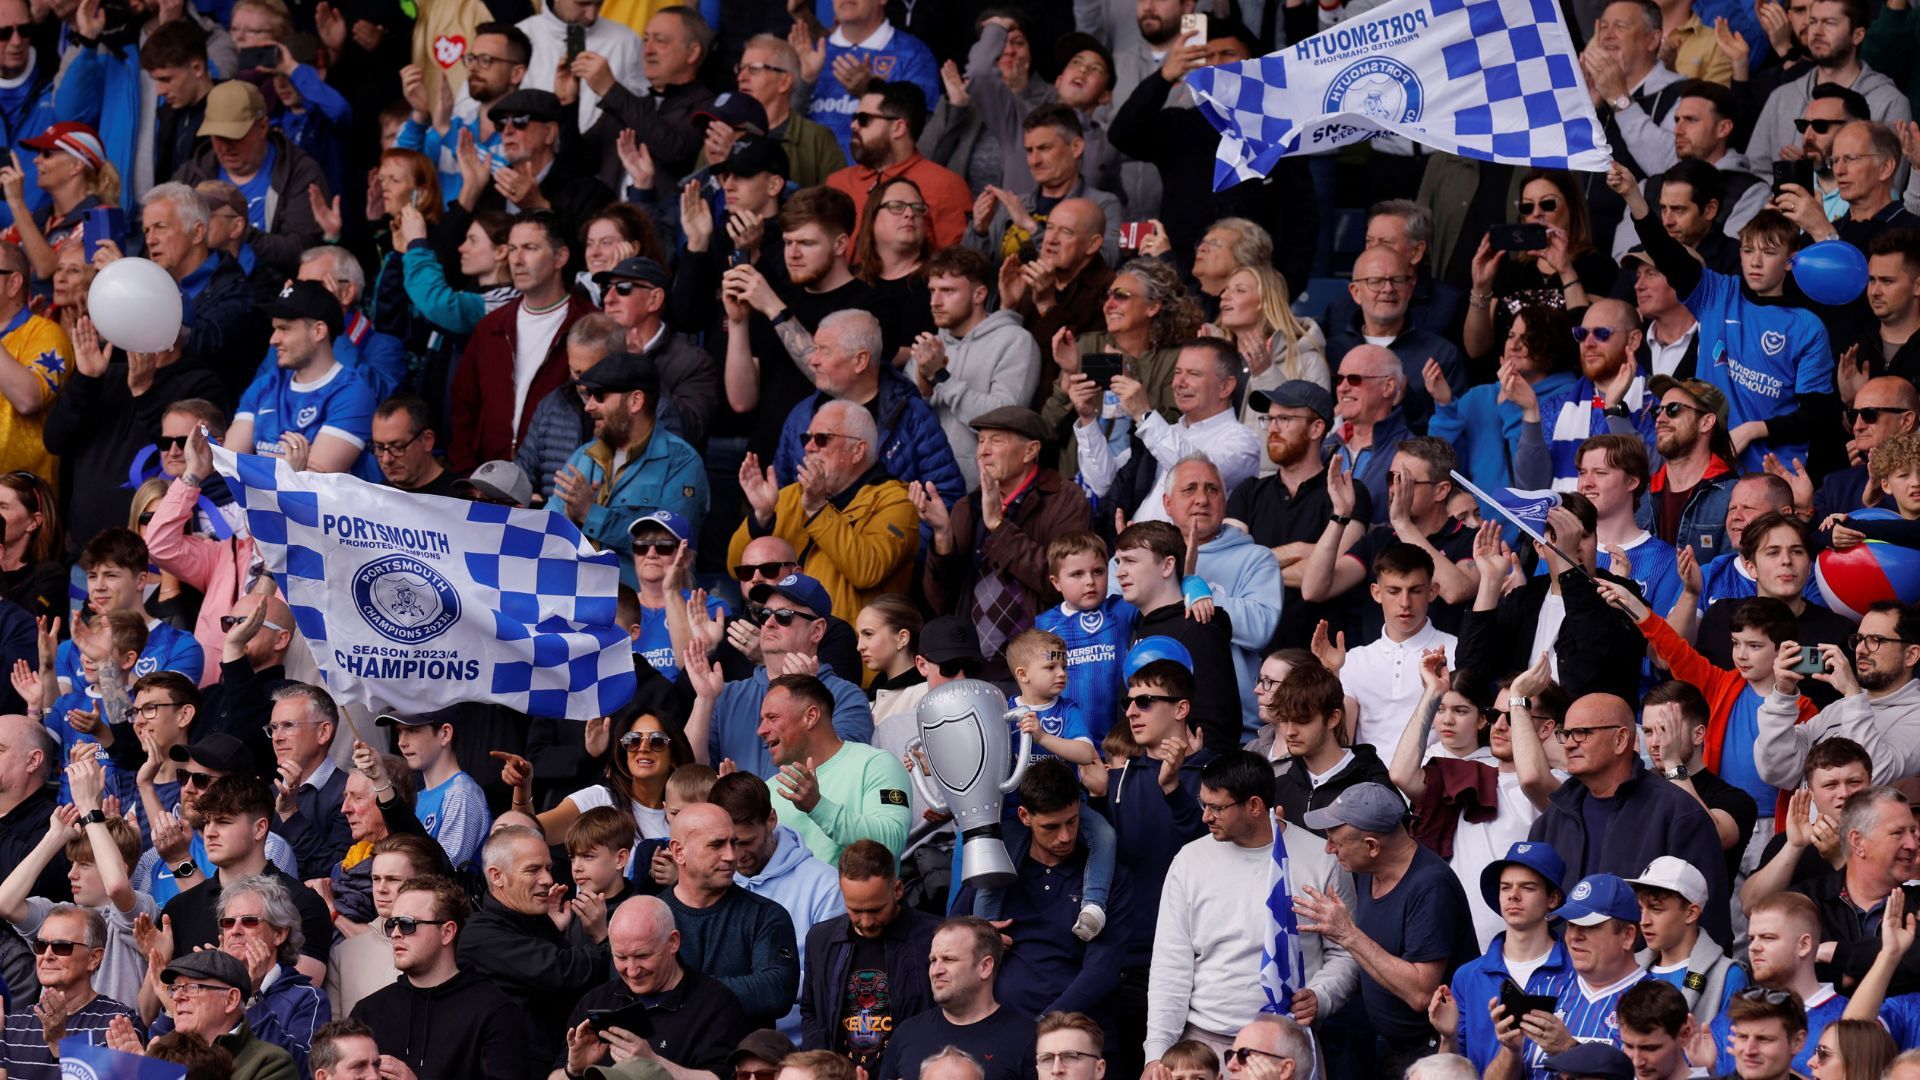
(1774,129)
(462,1027)
(997,364)
(1889,728)
(807,888)
(1245,579)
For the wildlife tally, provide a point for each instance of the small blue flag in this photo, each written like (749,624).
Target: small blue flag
(82,1060)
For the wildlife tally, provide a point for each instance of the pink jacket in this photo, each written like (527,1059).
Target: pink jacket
(216,567)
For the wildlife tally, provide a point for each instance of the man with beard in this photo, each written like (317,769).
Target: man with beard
(1879,705)
(631,468)
(1287,511)
(975,362)
(891,117)
(634,294)
(1893,295)
(496,61)
(1834,31)
(1609,396)
(1382,293)
(1687,497)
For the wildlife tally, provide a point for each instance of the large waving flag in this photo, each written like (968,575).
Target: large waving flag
(1496,80)
(417,602)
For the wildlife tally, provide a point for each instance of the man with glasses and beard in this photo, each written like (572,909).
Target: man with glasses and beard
(1879,705)
(496,61)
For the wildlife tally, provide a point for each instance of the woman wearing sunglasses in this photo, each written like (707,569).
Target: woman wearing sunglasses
(1569,273)
(640,750)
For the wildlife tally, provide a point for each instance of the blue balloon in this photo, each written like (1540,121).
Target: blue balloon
(1831,271)
(1158,647)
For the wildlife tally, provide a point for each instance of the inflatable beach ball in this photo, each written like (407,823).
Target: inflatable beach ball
(1853,579)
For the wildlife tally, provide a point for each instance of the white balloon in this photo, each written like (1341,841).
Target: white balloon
(135,305)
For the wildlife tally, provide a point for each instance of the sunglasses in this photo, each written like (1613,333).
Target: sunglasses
(1547,206)
(770,570)
(655,547)
(199,780)
(785,616)
(1239,1055)
(146,518)
(1143,702)
(862,119)
(820,439)
(405,925)
(251,922)
(517,123)
(7,32)
(627,288)
(1801,124)
(592,393)
(228,622)
(652,741)
(1872,413)
(1351,379)
(166,443)
(1672,409)
(1601,334)
(41,946)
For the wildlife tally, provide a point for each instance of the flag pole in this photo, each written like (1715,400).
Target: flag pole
(1500,508)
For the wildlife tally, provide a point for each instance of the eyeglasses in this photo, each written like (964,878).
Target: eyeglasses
(1574,736)
(1384,284)
(1872,413)
(1143,702)
(1601,334)
(758,69)
(1872,641)
(1121,295)
(168,443)
(1068,1058)
(1850,160)
(627,288)
(250,922)
(1820,127)
(1771,997)
(7,32)
(654,741)
(480,61)
(395,449)
(862,119)
(179,989)
(518,123)
(770,570)
(152,709)
(1671,410)
(407,924)
(1284,419)
(655,547)
(1264,685)
(41,946)
(228,622)
(785,616)
(820,439)
(1547,205)
(199,780)
(285,727)
(902,208)
(1238,1055)
(1354,379)
(1214,810)
(755,1074)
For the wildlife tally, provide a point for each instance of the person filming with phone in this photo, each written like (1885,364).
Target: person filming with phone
(1879,705)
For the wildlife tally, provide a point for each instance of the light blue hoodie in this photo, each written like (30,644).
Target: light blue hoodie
(810,891)
(1245,579)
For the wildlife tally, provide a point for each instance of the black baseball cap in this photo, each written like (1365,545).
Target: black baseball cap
(736,110)
(218,751)
(637,268)
(620,372)
(754,157)
(307,300)
(950,638)
(539,104)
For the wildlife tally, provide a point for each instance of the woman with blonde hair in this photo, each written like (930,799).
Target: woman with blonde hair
(1256,313)
(71,166)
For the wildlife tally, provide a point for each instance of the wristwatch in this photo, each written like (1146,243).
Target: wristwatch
(1620,410)
(1622,103)
(1342,520)
(1678,772)
(185,870)
(95,816)
(1518,703)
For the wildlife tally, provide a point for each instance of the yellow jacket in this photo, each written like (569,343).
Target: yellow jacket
(859,546)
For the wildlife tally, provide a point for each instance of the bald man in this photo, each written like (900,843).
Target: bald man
(1369,422)
(696,1021)
(1882,408)
(1072,295)
(1288,1055)
(744,941)
(1644,815)
(765,560)
(28,754)
(1382,291)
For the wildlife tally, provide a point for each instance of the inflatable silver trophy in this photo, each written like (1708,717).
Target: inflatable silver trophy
(964,731)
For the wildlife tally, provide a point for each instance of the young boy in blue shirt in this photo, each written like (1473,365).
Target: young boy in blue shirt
(451,804)
(1093,626)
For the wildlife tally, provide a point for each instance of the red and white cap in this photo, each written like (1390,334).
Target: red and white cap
(77,139)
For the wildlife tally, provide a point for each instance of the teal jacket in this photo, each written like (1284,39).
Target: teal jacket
(665,474)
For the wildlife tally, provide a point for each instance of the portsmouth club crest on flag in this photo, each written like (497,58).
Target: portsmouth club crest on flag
(1497,80)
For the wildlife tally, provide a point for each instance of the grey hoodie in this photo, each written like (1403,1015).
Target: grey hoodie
(1774,129)
(996,364)
(1888,727)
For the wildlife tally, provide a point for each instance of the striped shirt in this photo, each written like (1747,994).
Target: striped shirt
(23,1047)
(1588,1013)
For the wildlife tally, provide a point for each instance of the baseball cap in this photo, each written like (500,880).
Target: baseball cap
(799,588)
(950,638)
(1597,898)
(737,111)
(1368,807)
(1707,394)
(1675,875)
(448,715)
(620,372)
(637,268)
(1018,419)
(765,1045)
(538,104)
(1295,394)
(218,751)
(1536,856)
(233,108)
(497,481)
(75,138)
(663,519)
(753,157)
(1600,1061)
(306,300)
(211,964)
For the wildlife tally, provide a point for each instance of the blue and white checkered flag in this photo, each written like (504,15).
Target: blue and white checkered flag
(415,602)
(1283,967)
(1496,80)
